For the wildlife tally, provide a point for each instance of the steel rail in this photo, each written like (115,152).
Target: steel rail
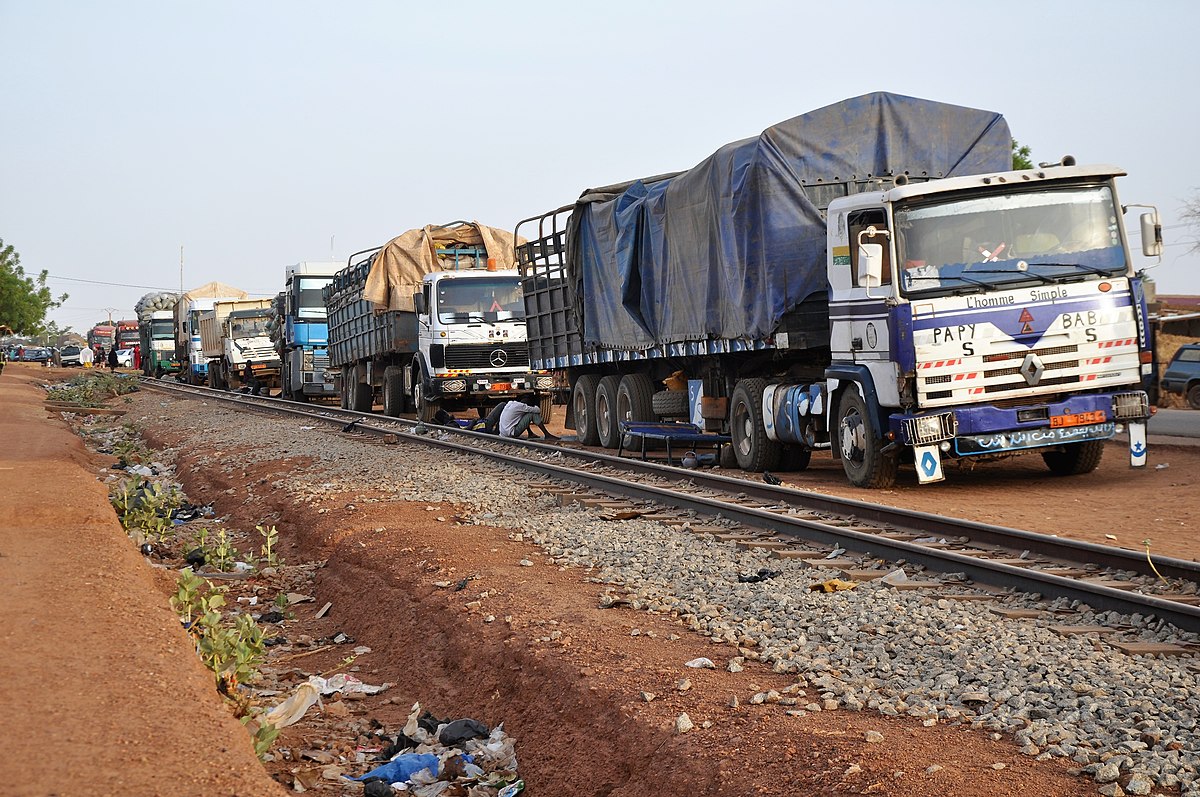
(1099,596)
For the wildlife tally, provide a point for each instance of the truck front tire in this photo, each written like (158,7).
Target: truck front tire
(755,451)
(1075,458)
(863,458)
(424,408)
(393,390)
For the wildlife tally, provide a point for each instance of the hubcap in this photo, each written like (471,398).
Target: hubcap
(853,439)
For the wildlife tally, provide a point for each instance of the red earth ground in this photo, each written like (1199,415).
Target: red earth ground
(103,694)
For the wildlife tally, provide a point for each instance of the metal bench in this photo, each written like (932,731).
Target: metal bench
(688,434)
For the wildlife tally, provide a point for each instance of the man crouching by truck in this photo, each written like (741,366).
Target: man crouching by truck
(513,419)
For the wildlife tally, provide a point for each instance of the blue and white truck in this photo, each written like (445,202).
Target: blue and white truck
(301,331)
(872,278)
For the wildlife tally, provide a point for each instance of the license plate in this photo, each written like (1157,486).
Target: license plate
(501,386)
(1076,419)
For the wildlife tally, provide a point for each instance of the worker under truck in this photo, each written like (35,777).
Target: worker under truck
(235,334)
(432,321)
(303,335)
(871,278)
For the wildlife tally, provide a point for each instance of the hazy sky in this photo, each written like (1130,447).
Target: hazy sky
(257,134)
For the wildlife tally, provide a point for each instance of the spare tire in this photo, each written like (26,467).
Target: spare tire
(670,404)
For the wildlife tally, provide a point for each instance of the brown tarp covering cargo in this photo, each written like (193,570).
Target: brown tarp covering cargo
(216,290)
(398,268)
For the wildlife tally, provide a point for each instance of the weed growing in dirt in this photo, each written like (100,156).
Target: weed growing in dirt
(232,651)
(92,389)
(270,538)
(145,506)
(223,553)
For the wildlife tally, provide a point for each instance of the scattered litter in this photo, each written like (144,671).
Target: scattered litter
(361,650)
(459,731)
(307,428)
(271,617)
(139,470)
(762,575)
(252,600)
(296,597)
(242,567)
(1162,466)
(832,585)
(324,610)
(835,553)
(1110,536)
(401,768)
(346,684)
(291,710)
(701,663)
(195,558)
(895,577)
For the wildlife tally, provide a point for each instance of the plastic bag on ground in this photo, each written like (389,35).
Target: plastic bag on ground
(455,733)
(402,768)
(291,710)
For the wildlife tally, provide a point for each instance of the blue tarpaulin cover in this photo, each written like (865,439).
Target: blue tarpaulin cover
(727,247)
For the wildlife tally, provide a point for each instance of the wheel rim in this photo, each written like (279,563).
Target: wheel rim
(853,437)
(742,427)
(624,407)
(603,414)
(580,402)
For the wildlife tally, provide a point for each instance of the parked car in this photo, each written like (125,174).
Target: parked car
(36,356)
(1183,374)
(69,356)
(124,358)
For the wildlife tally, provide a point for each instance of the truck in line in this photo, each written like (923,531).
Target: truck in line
(188,347)
(156,334)
(233,335)
(300,331)
(102,335)
(872,278)
(429,321)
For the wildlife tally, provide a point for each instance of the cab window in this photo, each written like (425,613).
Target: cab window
(859,220)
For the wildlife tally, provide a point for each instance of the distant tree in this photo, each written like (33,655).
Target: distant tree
(24,301)
(1191,217)
(1021,155)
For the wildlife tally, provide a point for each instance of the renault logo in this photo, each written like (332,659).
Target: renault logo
(1032,369)
(498,358)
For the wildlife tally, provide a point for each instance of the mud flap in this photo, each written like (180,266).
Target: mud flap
(929,464)
(1137,444)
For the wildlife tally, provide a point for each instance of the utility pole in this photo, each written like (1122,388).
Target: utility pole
(181,269)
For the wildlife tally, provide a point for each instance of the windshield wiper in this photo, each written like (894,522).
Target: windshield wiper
(1017,274)
(1091,269)
(480,317)
(958,277)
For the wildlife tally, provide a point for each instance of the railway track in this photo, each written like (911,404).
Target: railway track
(794,523)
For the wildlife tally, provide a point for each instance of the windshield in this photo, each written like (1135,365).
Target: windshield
(311,306)
(480,299)
(968,245)
(162,328)
(248,327)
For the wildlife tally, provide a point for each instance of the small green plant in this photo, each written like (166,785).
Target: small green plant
(264,733)
(223,553)
(270,539)
(281,601)
(145,506)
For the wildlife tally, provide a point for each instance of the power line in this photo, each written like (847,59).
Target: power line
(114,284)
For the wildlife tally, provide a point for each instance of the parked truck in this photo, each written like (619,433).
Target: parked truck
(432,320)
(300,332)
(872,278)
(188,347)
(102,334)
(233,335)
(156,334)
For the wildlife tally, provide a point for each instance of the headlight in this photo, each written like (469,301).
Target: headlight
(930,428)
(1131,405)
(306,361)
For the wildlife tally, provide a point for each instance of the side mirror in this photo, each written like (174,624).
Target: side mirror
(870,265)
(419,303)
(1152,240)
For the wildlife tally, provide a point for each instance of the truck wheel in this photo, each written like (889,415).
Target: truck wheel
(546,405)
(607,430)
(583,401)
(670,404)
(425,408)
(361,397)
(393,390)
(635,398)
(1075,458)
(344,389)
(755,451)
(1193,397)
(863,458)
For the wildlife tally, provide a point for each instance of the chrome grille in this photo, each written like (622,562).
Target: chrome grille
(475,355)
